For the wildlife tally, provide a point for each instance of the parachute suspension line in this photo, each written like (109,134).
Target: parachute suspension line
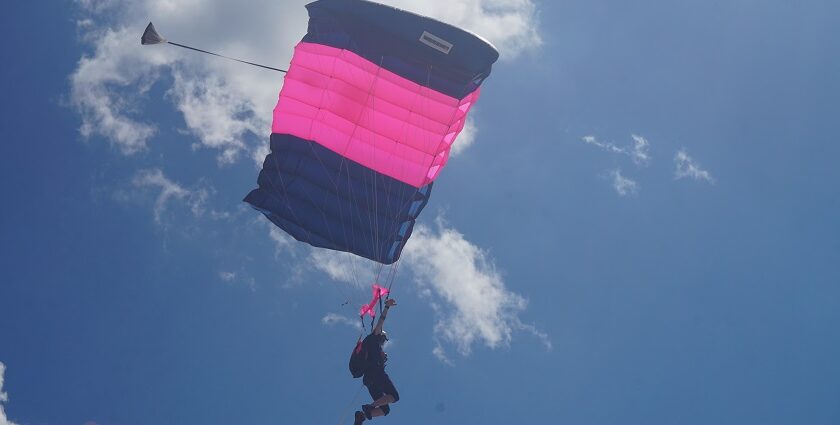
(350,187)
(424,108)
(348,258)
(391,277)
(375,210)
(297,221)
(354,273)
(371,208)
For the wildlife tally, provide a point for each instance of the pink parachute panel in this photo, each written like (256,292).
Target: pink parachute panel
(369,114)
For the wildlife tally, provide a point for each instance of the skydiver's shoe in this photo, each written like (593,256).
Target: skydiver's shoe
(366,409)
(360,417)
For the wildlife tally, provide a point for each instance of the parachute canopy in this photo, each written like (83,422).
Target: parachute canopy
(373,100)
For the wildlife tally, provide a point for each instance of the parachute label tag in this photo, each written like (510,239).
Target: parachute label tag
(435,42)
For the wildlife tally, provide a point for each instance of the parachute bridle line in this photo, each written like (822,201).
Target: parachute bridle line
(228,57)
(151,36)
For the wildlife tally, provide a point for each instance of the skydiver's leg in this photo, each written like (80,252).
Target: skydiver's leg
(359,418)
(387,394)
(385,399)
(383,393)
(371,411)
(379,407)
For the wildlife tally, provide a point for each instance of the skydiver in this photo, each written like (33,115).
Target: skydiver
(379,385)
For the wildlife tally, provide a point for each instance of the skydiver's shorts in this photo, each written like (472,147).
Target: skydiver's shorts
(378,384)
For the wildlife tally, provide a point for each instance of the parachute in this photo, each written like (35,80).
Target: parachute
(372,102)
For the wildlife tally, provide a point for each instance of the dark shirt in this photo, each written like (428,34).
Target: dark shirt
(376,357)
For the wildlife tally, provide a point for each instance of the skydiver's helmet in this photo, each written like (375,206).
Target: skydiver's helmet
(383,338)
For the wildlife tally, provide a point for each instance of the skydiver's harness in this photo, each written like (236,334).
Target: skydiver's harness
(359,356)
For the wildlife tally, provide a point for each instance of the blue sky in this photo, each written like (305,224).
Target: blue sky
(641,227)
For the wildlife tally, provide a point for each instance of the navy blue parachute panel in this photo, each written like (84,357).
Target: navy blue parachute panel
(328,201)
(429,52)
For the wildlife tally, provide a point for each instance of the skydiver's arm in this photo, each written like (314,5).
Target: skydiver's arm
(378,328)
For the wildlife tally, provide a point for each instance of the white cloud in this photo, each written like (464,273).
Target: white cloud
(687,167)
(4,398)
(440,353)
(259,153)
(622,185)
(332,319)
(238,278)
(639,152)
(215,114)
(283,243)
(607,146)
(511,25)
(466,137)
(336,264)
(107,89)
(346,267)
(227,106)
(171,191)
(465,289)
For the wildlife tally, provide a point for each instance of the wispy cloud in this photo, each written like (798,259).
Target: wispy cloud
(607,146)
(238,278)
(639,152)
(170,191)
(332,319)
(686,167)
(4,398)
(623,185)
(440,353)
(463,286)
(227,106)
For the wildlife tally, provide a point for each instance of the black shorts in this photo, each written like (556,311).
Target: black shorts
(378,384)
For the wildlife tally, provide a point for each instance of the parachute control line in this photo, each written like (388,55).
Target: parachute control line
(369,309)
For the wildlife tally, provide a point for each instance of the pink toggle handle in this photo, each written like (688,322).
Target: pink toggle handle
(370,308)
